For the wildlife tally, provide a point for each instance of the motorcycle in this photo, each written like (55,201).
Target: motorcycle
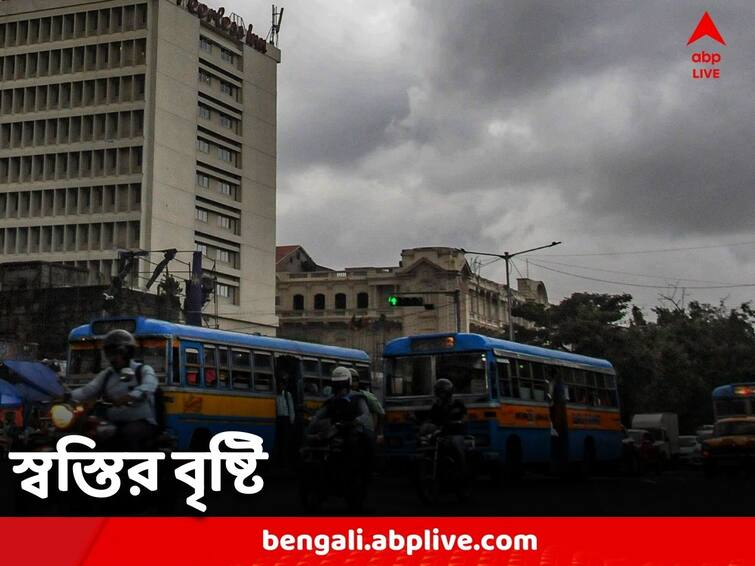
(438,466)
(331,465)
(69,418)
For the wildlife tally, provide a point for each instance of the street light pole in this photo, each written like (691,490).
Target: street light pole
(506,256)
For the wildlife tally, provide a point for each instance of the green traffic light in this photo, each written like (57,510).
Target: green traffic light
(393,300)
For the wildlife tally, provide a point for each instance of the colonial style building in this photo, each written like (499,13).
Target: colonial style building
(350,307)
(140,124)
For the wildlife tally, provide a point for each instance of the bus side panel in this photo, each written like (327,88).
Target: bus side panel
(602,428)
(530,424)
(192,410)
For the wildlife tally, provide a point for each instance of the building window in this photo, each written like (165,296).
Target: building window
(226,189)
(298,302)
(226,55)
(227,88)
(224,222)
(340,301)
(223,256)
(203,146)
(203,180)
(201,215)
(205,44)
(200,248)
(363,301)
(205,77)
(226,121)
(225,154)
(204,112)
(223,290)
(319,302)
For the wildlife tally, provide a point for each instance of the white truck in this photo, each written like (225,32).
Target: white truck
(665,430)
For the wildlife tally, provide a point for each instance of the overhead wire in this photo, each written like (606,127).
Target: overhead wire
(647,276)
(629,284)
(656,251)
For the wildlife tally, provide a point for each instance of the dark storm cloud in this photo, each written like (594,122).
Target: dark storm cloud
(681,166)
(510,123)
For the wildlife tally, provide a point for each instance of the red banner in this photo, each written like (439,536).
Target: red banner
(345,541)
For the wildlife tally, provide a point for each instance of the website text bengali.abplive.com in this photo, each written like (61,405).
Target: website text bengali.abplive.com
(428,540)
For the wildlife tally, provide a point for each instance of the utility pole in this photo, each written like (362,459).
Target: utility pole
(506,256)
(194,291)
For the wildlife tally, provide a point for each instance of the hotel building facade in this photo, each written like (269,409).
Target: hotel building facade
(141,125)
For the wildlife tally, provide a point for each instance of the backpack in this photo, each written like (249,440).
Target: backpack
(158,397)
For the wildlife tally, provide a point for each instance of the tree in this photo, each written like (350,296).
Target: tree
(671,364)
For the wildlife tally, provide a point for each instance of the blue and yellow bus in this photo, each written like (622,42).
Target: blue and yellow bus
(734,400)
(523,401)
(215,380)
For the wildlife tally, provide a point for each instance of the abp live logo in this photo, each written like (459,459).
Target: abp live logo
(706,27)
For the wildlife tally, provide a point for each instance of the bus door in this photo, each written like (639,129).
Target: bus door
(288,368)
(559,397)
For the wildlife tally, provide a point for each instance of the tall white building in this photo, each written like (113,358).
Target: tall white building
(140,125)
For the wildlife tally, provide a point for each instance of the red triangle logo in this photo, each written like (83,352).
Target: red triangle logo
(706,27)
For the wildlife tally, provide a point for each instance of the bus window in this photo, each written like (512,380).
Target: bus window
(86,362)
(327,367)
(364,376)
(224,368)
(152,353)
(466,372)
(524,375)
(506,383)
(192,366)
(242,369)
(263,372)
(311,373)
(410,376)
(210,367)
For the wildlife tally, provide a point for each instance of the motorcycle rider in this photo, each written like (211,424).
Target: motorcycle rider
(349,409)
(377,413)
(344,406)
(130,386)
(448,414)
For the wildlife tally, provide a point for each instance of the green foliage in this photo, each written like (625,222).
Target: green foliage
(671,364)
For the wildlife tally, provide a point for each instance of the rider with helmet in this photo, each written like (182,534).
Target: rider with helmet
(349,411)
(130,386)
(344,406)
(448,415)
(447,412)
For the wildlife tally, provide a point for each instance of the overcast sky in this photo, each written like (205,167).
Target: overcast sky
(505,125)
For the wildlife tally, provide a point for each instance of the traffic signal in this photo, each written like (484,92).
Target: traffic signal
(396,301)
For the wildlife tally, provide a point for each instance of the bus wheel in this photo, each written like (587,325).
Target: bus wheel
(200,440)
(513,468)
(588,459)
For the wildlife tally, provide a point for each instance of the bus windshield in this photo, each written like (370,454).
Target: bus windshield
(88,359)
(414,376)
(734,428)
(730,407)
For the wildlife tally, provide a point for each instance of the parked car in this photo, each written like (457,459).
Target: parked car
(704,432)
(690,450)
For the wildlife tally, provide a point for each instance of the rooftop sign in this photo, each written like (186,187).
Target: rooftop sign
(225,24)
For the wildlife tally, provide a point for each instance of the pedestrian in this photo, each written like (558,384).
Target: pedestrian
(285,415)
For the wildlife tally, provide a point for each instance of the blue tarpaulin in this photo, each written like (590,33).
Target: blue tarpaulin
(34,381)
(9,397)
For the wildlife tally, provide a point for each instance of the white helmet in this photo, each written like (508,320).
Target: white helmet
(340,374)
